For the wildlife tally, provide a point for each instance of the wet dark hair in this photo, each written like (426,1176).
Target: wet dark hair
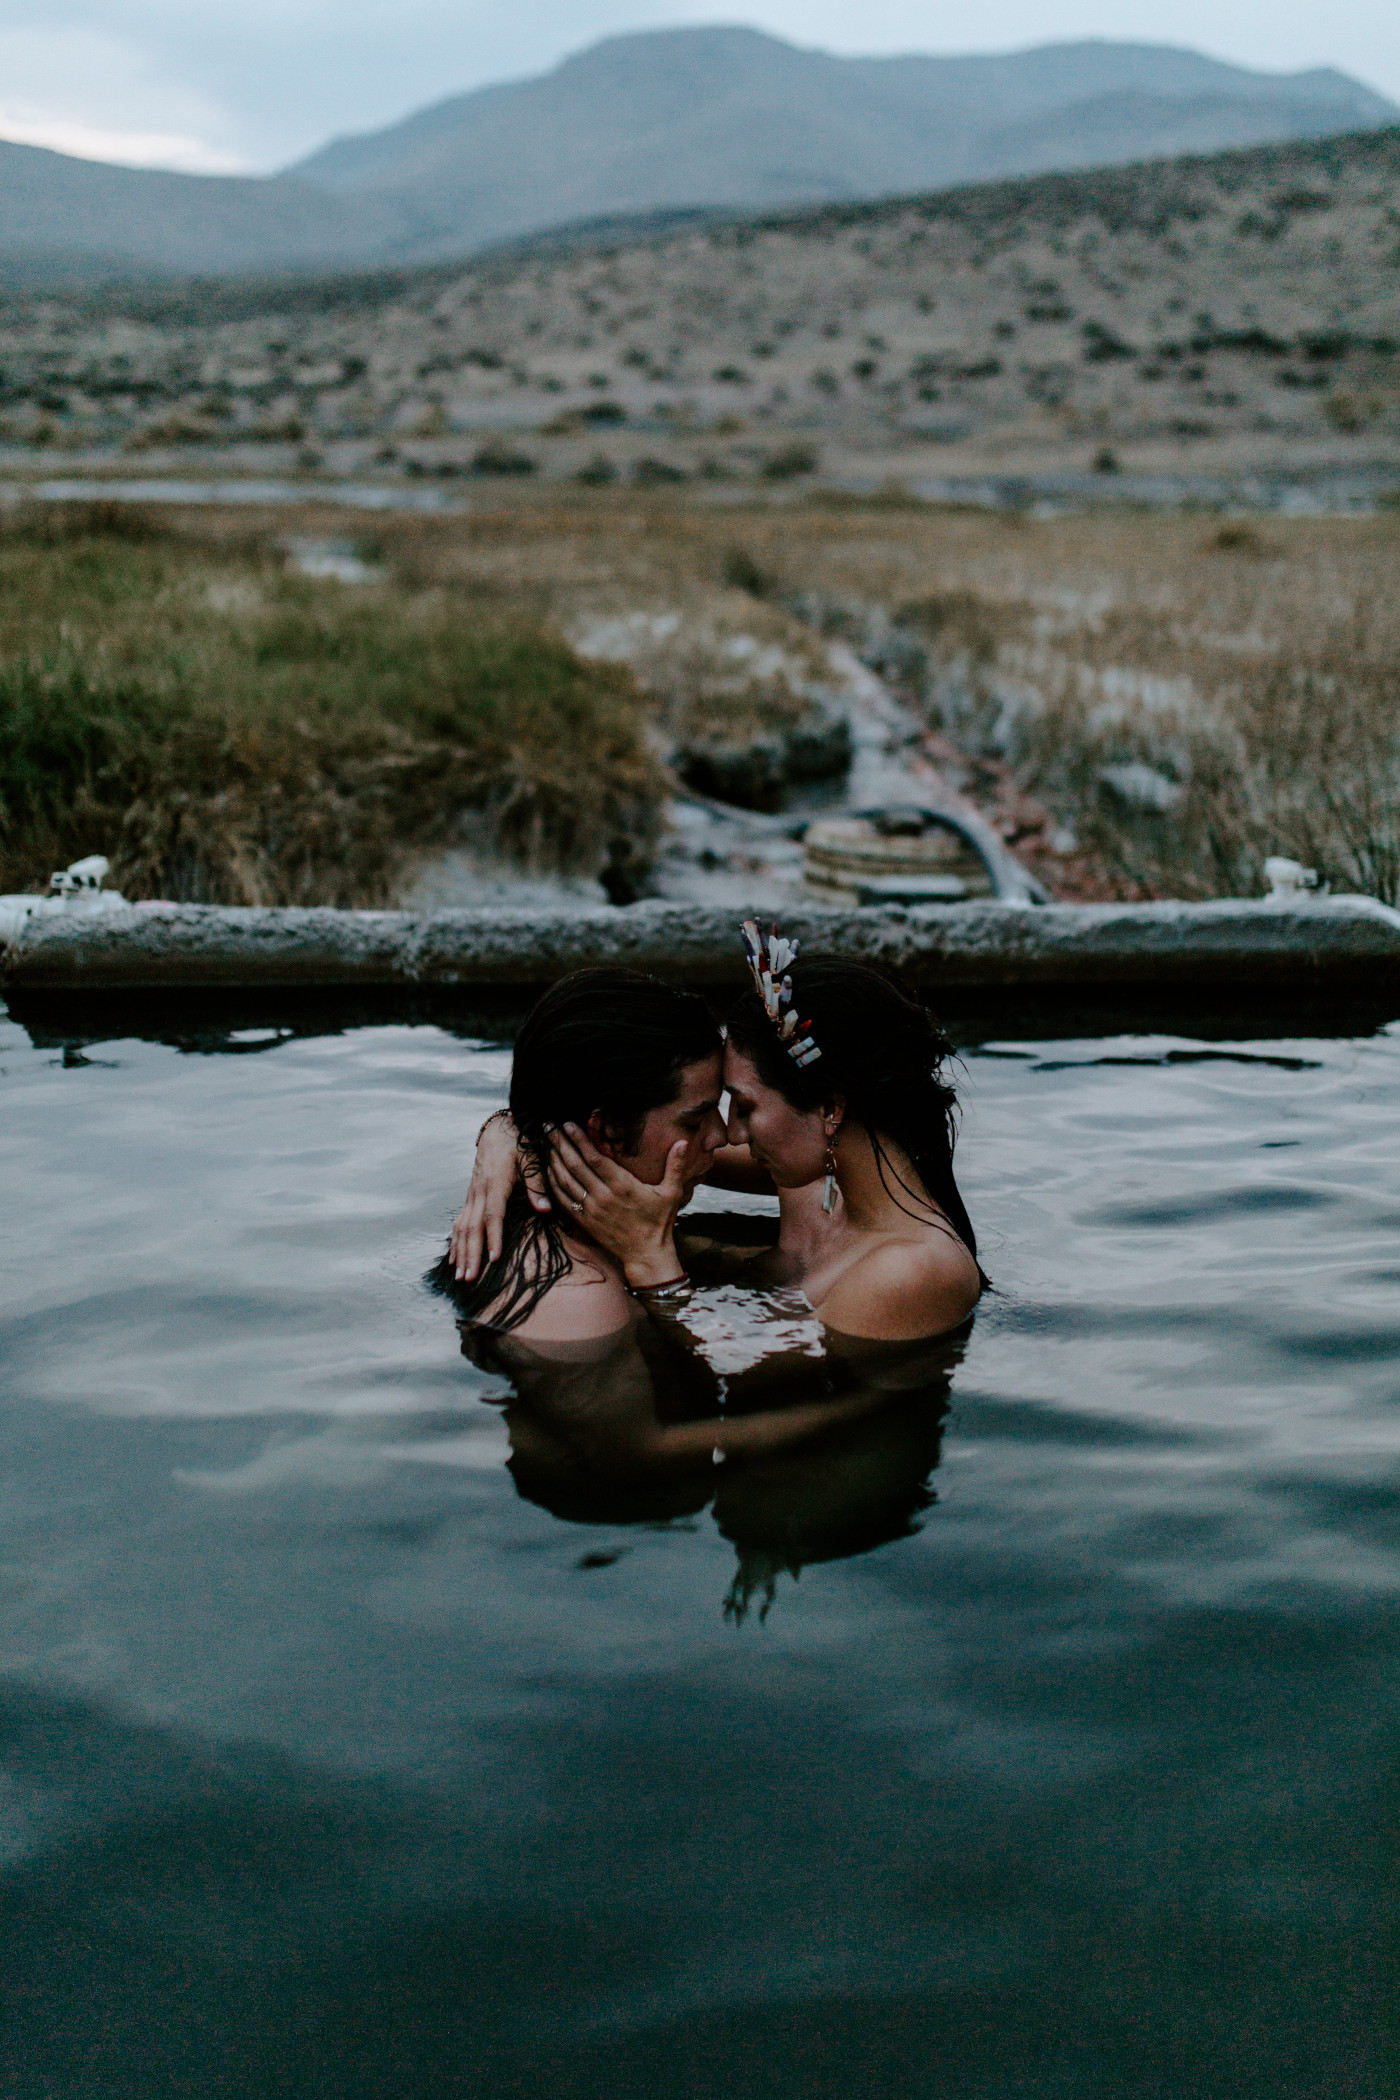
(611,1043)
(880,1047)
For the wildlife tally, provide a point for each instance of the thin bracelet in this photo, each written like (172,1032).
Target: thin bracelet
(497,1115)
(660,1290)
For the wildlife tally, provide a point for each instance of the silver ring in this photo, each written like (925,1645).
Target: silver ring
(580,1202)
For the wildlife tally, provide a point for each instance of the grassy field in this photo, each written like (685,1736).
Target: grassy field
(228,731)
(1147,705)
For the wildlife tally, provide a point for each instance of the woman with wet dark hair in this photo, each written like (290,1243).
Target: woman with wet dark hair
(606,1383)
(885,1055)
(836,1075)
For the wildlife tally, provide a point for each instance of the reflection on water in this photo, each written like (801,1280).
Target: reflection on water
(338,1765)
(867,1484)
(587,1420)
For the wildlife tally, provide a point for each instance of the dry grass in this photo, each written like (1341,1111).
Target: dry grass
(1255,669)
(638,587)
(1247,677)
(227,731)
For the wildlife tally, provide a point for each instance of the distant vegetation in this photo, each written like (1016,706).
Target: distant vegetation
(229,732)
(1243,296)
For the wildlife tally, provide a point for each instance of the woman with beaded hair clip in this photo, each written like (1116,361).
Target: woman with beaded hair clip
(606,1384)
(836,1076)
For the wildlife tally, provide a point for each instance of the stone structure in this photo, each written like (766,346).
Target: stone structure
(1306,944)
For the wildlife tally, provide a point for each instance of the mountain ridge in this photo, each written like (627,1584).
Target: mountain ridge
(1147,194)
(734,118)
(215,222)
(664,121)
(1239,300)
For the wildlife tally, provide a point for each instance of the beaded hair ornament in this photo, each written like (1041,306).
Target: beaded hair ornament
(768,962)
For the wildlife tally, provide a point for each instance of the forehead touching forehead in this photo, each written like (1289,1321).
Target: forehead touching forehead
(698,1085)
(741,1074)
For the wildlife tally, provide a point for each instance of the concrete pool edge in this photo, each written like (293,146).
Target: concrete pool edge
(1343,942)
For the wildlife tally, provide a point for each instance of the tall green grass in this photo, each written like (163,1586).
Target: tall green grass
(228,732)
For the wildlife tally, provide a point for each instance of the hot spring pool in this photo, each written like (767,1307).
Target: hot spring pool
(334,1769)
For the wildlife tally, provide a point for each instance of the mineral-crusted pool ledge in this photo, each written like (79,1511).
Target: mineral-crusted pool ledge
(1348,943)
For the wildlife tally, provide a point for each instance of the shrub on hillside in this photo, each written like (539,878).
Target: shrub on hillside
(499,458)
(651,473)
(786,462)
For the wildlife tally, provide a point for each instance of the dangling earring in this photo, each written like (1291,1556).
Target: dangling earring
(829,1192)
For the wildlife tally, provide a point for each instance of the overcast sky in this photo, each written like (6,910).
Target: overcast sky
(204,84)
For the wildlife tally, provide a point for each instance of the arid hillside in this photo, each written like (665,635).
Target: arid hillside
(1247,299)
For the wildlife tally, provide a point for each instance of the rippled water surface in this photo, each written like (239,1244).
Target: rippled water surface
(333,1767)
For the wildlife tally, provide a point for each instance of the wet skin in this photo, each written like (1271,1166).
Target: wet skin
(887,1266)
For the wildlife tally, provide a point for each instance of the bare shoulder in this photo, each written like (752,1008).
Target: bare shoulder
(904,1289)
(587,1304)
